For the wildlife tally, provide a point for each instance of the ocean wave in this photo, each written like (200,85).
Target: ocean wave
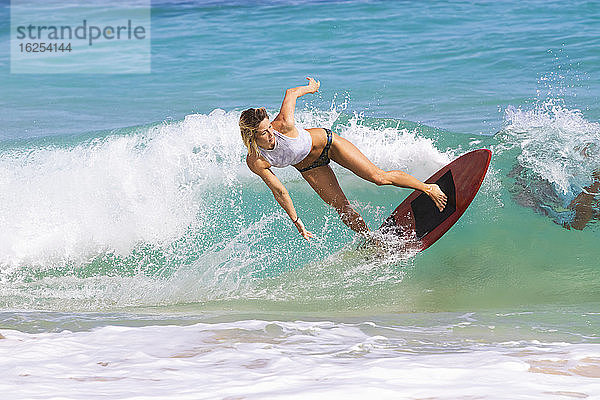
(169,214)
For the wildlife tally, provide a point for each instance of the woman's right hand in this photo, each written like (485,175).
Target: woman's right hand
(302,230)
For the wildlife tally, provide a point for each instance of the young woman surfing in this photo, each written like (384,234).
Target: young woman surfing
(279,143)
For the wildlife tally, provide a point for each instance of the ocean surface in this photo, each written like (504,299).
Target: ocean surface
(140,258)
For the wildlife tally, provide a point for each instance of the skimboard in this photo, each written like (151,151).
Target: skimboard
(419,221)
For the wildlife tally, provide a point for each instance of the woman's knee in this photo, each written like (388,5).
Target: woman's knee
(342,206)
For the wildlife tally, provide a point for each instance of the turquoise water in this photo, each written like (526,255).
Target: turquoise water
(126,205)
(452,65)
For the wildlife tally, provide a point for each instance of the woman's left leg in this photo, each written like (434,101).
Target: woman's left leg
(349,156)
(323,181)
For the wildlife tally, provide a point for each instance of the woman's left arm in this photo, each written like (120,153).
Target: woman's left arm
(286,113)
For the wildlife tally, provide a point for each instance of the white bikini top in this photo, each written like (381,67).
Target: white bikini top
(288,150)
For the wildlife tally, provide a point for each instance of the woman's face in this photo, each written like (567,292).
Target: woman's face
(264,135)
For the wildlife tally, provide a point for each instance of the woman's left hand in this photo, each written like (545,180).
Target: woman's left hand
(313,86)
(436,194)
(302,230)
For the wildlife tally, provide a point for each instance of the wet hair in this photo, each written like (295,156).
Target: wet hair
(249,122)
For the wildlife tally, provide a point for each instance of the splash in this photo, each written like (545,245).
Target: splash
(169,213)
(556,143)
(558,157)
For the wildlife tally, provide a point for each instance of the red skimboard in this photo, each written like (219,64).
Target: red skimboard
(419,220)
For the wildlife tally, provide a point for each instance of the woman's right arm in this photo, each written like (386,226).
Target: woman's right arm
(262,169)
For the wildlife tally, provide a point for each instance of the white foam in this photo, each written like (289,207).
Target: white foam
(169,190)
(257,359)
(110,194)
(556,143)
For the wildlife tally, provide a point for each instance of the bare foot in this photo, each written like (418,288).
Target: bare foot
(436,194)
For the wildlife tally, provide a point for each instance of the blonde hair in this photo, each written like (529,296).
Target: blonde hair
(249,122)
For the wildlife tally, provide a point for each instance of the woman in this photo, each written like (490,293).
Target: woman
(279,143)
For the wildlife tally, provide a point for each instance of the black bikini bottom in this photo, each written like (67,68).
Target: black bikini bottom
(324,157)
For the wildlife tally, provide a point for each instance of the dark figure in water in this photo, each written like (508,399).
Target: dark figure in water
(541,196)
